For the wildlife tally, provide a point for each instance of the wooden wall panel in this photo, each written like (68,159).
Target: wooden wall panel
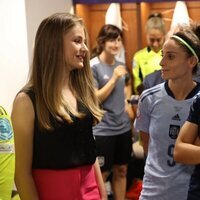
(144,13)
(84,12)
(194,10)
(97,17)
(135,15)
(129,16)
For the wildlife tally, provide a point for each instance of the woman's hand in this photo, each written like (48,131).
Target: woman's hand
(118,72)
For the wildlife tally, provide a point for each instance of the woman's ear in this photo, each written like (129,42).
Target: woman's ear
(193,61)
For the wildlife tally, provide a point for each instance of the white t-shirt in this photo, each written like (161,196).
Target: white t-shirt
(161,116)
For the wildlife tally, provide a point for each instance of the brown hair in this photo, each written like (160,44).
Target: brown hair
(191,35)
(48,67)
(107,32)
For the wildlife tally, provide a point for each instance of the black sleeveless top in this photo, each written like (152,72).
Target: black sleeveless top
(67,146)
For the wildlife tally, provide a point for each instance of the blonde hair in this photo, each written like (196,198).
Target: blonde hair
(155,21)
(47,69)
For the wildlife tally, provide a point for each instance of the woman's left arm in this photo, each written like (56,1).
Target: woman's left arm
(99,180)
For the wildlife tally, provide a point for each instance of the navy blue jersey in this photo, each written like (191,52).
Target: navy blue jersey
(194,117)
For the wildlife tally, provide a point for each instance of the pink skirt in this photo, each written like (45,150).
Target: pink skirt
(71,184)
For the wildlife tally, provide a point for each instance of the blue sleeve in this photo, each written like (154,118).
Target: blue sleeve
(194,114)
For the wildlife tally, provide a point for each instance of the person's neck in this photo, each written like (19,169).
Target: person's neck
(107,58)
(181,89)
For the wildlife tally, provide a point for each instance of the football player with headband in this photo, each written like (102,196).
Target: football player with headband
(162,110)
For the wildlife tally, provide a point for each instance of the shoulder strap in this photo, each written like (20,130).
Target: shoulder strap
(2,111)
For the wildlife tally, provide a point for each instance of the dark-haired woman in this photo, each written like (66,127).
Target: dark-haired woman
(53,116)
(113,133)
(162,110)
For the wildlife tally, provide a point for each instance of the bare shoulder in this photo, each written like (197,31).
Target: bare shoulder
(22,104)
(22,99)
